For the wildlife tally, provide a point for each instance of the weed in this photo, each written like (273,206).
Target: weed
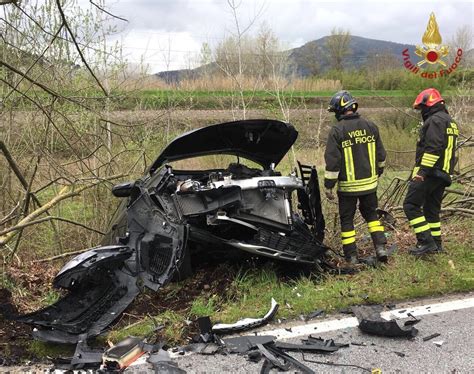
(202,307)
(50,297)
(172,332)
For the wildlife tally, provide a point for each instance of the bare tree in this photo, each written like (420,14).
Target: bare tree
(58,78)
(230,56)
(309,59)
(378,64)
(337,46)
(462,39)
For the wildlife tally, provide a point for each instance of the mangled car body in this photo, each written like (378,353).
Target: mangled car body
(168,216)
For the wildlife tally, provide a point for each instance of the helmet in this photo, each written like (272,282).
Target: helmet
(341,102)
(428,97)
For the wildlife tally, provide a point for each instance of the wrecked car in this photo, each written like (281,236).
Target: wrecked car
(169,216)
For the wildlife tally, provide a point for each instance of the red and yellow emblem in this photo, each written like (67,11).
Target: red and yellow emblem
(432,50)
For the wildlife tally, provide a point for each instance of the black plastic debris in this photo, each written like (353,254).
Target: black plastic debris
(84,357)
(305,347)
(163,364)
(432,336)
(371,322)
(277,358)
(316,313)
(321,342)
(271,361)
(254,356)
(243,344)
(100,289)
(346,311)
(205,329)
(246,323)
(201,348)
(399,354)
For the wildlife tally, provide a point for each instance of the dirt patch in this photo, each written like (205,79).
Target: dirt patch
(32,282)
(206,282)
(13,336)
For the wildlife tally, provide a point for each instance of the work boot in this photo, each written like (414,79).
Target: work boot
(351,259)
(426,245)
(381,253)
(438,243)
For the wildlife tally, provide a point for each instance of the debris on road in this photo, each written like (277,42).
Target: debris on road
(438,343)
(162,363)
(400,354)
(243,344)
(246,323)
(316,313)
(371,322)
(84,358)
(123,353)
(432,336)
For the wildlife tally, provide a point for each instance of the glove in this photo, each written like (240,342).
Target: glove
(329,194)
(380,171)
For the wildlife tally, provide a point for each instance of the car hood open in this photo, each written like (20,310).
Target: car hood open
(260,140)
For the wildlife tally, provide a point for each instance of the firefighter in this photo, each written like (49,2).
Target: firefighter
(435,160)
(355,158)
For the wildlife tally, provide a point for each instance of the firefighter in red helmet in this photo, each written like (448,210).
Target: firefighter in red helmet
(434,164)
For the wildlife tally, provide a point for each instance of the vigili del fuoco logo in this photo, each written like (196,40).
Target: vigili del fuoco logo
(432,52)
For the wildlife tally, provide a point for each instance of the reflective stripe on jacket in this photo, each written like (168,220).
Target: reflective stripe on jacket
(354,153)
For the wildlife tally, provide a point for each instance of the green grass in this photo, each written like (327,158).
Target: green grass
(202,307)
(173,328)
(41,350)
(404,278)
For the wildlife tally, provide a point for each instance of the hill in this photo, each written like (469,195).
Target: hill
(315,53)
(360,50)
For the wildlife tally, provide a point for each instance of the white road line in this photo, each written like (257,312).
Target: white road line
(331,325)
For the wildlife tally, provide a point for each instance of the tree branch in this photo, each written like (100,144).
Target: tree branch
(106,12)
(65,193)
(61,12)
(47,219)
(61,255)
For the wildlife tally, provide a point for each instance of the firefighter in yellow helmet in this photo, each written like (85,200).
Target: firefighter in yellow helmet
(355,158)
(434,164)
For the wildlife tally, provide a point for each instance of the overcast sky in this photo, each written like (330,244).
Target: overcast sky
(169,33)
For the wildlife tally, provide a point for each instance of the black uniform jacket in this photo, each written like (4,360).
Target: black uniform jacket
(354,154)
(435,150)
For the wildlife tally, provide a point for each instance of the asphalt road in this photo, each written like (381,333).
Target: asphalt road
(391,355)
